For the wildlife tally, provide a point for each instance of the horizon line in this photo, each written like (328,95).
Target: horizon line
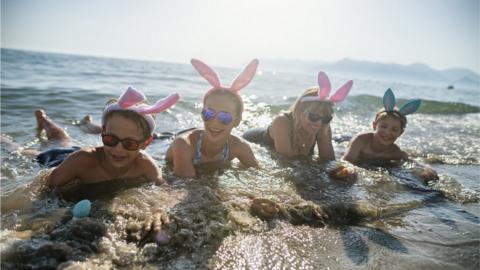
(267,58)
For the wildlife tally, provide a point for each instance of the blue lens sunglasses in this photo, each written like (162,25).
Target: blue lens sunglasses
(209,114)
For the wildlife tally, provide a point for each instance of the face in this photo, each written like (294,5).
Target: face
(218,109)
(123,129)
(314,116)
(387,130)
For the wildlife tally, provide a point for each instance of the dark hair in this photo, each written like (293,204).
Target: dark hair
(227,93)
(131,115)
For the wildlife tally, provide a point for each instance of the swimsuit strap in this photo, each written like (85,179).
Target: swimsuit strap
(226,152)
(197,159)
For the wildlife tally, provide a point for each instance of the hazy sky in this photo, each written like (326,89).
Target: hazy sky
(440,33)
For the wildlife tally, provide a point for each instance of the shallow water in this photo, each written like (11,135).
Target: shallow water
(387,219)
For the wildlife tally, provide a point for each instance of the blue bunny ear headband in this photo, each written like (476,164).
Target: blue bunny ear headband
(389,105)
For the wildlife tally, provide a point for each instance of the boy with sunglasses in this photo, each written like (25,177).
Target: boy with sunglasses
(127,127)
(214,146)
(296,132)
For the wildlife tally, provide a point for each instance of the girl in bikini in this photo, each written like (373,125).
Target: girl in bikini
(214,146)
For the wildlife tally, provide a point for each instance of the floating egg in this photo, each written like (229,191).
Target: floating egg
(162,237)
(82,209)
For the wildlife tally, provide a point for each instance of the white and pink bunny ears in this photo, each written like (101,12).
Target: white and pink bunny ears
(242,80)
(133,100)
(324,91)
(408,108)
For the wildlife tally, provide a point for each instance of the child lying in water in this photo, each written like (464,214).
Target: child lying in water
(127,127)
(378,147)
(222,111)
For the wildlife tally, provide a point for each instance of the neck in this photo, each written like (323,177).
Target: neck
(210,148)
(114,172)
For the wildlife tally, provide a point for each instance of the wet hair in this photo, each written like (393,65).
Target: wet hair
(141,123)
(231,96)
(301,107)
(381,114)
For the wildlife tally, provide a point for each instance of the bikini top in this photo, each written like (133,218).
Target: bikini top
(270,139)
(197,159)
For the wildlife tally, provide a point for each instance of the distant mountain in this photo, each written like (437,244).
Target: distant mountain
(417,73)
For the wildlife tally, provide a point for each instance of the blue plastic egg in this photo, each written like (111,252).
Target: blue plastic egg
(81,209)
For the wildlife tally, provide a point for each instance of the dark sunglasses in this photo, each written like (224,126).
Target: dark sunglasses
(209,114)
(315,117)
(128,144)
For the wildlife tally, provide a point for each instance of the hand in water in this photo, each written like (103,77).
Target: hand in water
(155,227)
(341,172)
(426,174)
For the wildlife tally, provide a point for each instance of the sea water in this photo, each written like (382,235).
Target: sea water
(387,219)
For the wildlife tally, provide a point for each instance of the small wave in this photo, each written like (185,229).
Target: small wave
(373,103)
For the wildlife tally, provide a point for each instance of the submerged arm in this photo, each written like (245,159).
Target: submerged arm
(352,154)
(69,170)
(152,171)
(245,154)
(182,158)
(324,144)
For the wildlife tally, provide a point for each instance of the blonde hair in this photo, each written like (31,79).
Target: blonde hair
(300,107)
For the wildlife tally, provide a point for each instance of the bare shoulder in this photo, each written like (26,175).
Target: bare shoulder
(145,158)
(235,141)
(183,143)
(281,126)
(281,120)
(240,148)
(87,155)
(187,138)
(148,168)
(367,136)
(237,145)
(362,139)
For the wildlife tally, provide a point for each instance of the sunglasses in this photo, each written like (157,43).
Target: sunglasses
(315,117)
(209,114)
(112,141)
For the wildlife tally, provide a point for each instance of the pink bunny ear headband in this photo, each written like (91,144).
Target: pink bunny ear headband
(133,100)
(242,80)
(324,91)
